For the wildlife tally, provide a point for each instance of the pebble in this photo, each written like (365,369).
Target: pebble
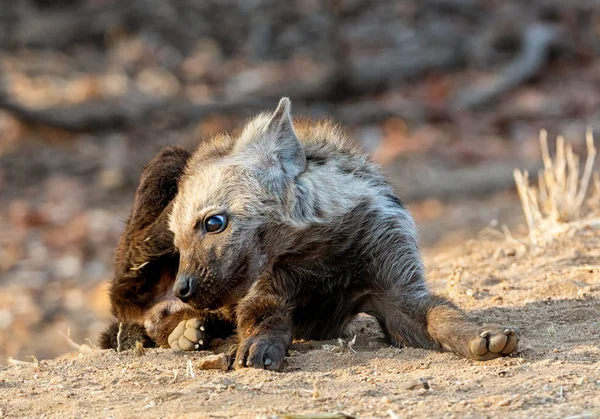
(414,384)
(499,253)
(388,352)
(521,250)
(214,362)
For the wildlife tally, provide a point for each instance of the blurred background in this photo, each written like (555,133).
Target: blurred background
(448,95)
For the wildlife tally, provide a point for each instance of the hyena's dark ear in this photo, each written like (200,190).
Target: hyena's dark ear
(283,140)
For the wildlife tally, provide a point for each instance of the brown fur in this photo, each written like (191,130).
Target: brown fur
(314,235)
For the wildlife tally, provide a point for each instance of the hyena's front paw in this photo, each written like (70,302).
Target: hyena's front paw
(492,344)
(189,335)
(266,351)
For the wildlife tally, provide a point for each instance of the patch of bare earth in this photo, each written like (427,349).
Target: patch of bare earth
(550,293)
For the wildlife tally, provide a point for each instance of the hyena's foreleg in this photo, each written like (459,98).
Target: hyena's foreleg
(264,326)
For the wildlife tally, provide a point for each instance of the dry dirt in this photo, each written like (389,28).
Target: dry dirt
(550,292)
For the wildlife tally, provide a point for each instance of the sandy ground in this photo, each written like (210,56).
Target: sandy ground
(550,292)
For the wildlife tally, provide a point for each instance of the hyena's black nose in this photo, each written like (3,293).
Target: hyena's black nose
(184,287)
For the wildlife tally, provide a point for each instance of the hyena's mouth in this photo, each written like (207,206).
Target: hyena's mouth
(212,292)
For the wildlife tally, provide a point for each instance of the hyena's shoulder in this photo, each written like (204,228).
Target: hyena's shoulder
(329,152)
(339,178)
(323,138)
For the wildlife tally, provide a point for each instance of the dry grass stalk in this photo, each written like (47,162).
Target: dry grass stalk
(119,334)
(83,348)
(560,193)
(594,201)
(190,369)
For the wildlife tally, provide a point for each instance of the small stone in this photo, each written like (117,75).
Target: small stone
(55,380)
(386,400)
(214,362)
(419,383)
(521,250)
(504,402)
(470,292)
(388,352)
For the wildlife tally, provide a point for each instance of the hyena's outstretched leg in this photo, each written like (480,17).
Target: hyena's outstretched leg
(410,315)
(147,264)
(430,321)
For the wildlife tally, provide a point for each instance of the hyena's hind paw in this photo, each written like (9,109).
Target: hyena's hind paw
(189,335)
(492,344)
(123,336)
(448,326)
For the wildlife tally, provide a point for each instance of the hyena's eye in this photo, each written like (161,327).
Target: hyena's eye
(215,223)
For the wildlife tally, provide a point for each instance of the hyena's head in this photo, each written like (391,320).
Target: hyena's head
(227,218)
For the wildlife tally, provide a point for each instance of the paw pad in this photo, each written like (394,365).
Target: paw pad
(189,335)
(492,344)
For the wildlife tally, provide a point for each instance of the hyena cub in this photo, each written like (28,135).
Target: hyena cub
(283,232)
(293,232)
